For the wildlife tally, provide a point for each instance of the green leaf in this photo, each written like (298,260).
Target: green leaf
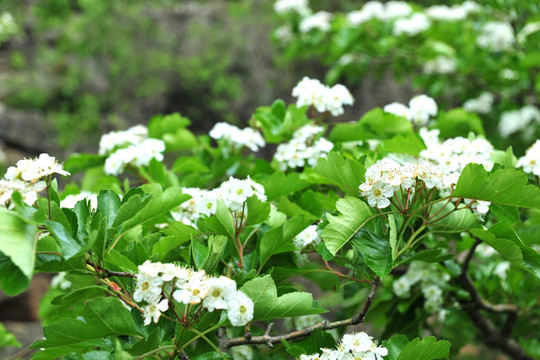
(426,349)
(225,219)
(267,305)
(279,184)
(279,240)
(200,253)
(506,213)
(312,344)
(179,233)
(354,214)
(108,205)
(17,252)
(504,187)
(451,219)
(410,144)
(507,248)
(348,174)
(374,124)
(395,345)
(7,339)
(458,122)
(504,158)
(216,248)
(172,130)
(81,162)
(135,211)
(376,251)
(79,296)
(257,211)
(429,255)
(392,235)
(101,317)
(189,164)
(70,246)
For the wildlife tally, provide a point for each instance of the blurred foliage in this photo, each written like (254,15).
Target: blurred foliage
(96,65)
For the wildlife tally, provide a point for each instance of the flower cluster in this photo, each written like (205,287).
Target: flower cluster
(531,161)
(518,120)
(440,65)
(312,92)
(413,25)
(307,236)
(432,282)
(318,21)
(237,137)
(352,346)
(452,13)
(26,178)
(482,104)
(33,170)
(419,111)
(70,200)
(303,149)
(287,6)
(496,36)
(158,284)
(233,192)
(387,176)
(376,10)
(130,147)
(527,30)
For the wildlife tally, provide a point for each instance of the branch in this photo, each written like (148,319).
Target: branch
(227,343)
(492,336)
(104,273)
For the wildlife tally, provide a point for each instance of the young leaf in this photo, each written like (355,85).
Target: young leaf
(257,211)
(393,235)
(505,187)
(376,251)
(108,205)
(279,240)
(426,349)
(7,339)
(267,305)
(354,214)
(279,184)
(395,345)
(410,144)
(348,174)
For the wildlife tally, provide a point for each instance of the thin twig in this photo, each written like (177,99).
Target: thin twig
(227,343)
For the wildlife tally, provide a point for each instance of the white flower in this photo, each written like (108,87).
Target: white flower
(482,104)
(32,170)
(240,309)
(414,25)
(59,281)
(312,92)
(527,30)
(440,65)
(401,287)
(518,120)
(531,161)
(422,107)
(307,236)
(320,21)
(398,110)
(286,6)
(496,36)
(153,311)
(358,342)
(378,195)
(71,200)
(27,190)
(370,10)
(192,292)
(148,288)
(220,291)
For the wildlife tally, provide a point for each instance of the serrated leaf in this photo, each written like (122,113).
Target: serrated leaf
(426,349)
(136,211)
(410,144)
(505,187)
(279,240)
(354,214)
(458,122)
(108,205)
(267,305)
(376,251)
(348,174)
(429,255)
(257,211)
(312,344)
(506,213)
(70,246)
(102,317)
(451,219)
(395,345)
(279,184)
(507,248)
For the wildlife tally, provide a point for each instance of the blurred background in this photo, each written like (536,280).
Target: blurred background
(72,70)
